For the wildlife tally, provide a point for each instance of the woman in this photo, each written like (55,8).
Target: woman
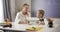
(21,17)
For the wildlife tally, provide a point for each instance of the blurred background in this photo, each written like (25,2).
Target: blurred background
(51,7)
(9,9)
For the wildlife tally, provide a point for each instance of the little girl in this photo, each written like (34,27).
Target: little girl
(40,15)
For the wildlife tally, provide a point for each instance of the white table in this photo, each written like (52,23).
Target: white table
(22,28)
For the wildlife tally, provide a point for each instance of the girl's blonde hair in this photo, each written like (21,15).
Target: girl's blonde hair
(41,12)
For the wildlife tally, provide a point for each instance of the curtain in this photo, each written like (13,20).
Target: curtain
(6,8)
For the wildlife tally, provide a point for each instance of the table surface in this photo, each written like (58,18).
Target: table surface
(22,27)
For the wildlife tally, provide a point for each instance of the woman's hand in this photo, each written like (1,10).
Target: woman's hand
(23,22)
(41,23)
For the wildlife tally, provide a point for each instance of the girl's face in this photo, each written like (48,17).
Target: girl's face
(39,15)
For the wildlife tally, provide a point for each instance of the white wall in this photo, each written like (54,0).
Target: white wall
(12,4)
(19,4)
(1,11)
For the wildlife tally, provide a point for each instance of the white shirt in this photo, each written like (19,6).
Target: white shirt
(21,17)
(45,21)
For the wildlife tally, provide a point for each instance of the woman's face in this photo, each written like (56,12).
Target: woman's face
(39,15)
(25,8)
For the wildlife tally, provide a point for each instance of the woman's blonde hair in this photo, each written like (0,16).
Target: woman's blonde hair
(24,5)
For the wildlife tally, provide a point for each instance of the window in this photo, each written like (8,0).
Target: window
(1,11)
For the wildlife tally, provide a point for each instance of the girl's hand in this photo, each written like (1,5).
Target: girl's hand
(49,20)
